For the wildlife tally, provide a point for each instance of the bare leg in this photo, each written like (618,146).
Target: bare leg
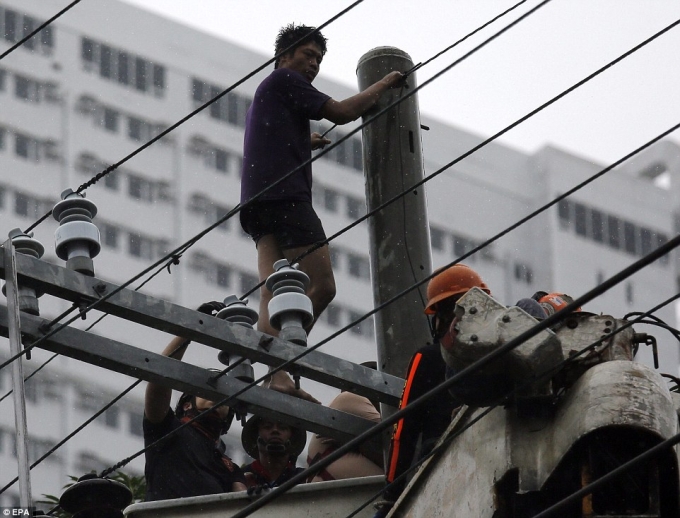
(321,291)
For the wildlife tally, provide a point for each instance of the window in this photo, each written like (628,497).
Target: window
(358,266)
(564,213)
(222,275)
(437,238)
(2,198)
(26,89)
(140,74)
(21,204)
(332,315)
(248,282)
(580,219)
(110,235)
(629,292)
(112,180)
(26,147)
(221,160)
(646,239)
(29,26)
(123,67)
(660,240)
(140,246)
(135,424)
(614,231)
(356,208)
(112,417)
(111,119)
(135,128)
(330,200)
(231,108)
(140,188)
(105,61)
(629,241)
(597,225)
(363,328)
(3,78)
(2,138)
(11,26)
(524,273)
(87,50)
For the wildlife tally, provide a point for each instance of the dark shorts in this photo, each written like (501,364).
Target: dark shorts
(293,223)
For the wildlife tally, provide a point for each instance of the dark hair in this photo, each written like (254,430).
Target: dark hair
(291,33)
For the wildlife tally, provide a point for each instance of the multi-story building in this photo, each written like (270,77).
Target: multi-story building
(100,82)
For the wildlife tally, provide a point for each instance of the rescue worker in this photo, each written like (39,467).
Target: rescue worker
(426,370)
(275,446)
(190,462)
(367,460)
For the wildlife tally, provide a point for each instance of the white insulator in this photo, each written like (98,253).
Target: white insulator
(292,309)
(77,239)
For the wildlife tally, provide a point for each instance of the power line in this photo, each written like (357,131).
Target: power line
(173,260)
(36,31)
(501,400)
(155,139)
(420,65)
(357,320)
(605,479)
(494,137)
(515,342)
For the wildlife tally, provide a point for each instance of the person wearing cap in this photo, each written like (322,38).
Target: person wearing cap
(426,370)
(366,460)
(191,461)
(275,447)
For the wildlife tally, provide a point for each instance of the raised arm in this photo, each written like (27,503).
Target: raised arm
(157,398)
(342,112)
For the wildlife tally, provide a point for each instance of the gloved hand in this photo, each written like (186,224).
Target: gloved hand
(382,508)
(211,308)
(255,492)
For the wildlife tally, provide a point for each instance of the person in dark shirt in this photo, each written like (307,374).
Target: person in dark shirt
(427,370)
(275,447)
(190,462)
(278,140)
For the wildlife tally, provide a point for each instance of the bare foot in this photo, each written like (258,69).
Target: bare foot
(282,382)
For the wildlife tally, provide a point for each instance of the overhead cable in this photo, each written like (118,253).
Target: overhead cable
(457,378)
(496,136)
(470,151)
(467,36)
(502,399)
(173,260)
(605,479)
(36,31)
(163,133)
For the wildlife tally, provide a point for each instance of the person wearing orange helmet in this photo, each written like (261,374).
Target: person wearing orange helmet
(426,370)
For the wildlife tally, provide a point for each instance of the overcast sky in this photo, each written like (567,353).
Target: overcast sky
(555,47)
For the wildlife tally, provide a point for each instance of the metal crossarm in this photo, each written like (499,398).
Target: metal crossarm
(219,334)
(142,364)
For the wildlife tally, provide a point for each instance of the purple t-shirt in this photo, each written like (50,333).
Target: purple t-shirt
(277,137)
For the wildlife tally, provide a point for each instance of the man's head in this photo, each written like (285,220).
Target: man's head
(305,40)
(444,290)
(265,436)
(191,406)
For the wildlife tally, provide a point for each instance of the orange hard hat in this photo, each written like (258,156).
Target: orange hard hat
(554,302)
(455,280)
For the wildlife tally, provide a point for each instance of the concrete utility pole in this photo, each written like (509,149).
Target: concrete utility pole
(399,234)
(17,374)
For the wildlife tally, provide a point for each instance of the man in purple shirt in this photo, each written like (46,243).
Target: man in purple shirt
(281,219)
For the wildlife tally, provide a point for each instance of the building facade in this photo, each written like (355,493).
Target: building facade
(107,77)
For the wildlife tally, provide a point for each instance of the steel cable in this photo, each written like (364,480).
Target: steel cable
(155,139)
(36,31)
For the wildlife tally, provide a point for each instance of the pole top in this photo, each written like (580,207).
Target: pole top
(381,53)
